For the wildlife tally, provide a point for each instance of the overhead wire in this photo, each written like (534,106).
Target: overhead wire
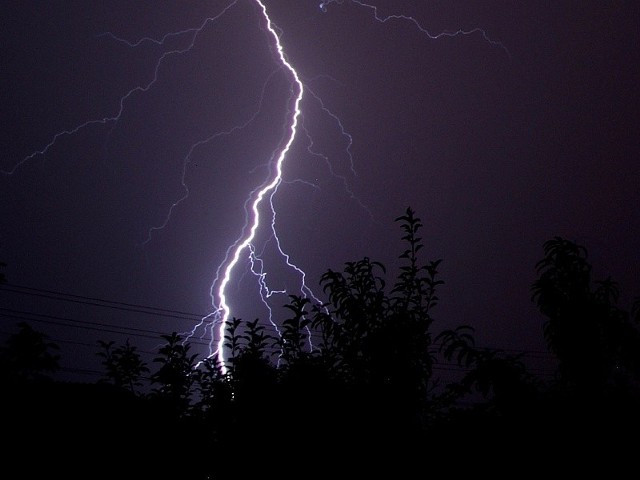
(271,350)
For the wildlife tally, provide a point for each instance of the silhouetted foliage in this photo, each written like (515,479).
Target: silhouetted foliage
(500,378)
(595,340)
(249,367)
(375,347)
(27,356)
(358,371)
(214,389)
(294,335)
(174,379)
(123,364)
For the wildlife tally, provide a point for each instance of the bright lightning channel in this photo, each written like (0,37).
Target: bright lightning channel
(223,310)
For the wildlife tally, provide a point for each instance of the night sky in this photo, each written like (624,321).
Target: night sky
(134,132)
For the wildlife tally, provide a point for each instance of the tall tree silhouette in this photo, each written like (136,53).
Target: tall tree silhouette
(379,344)
(28,356)
(594,340)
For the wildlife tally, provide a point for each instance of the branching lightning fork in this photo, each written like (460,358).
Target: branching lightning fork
(259,201)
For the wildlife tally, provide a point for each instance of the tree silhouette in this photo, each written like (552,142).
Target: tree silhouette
(123,364)
(174,378)
(293,340)
(377,346)
(27,356)
(594,403)
(250,369)
(594,340)
(501,378)
(367,383)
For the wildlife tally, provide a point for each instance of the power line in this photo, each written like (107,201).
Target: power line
(95,326)
(271,351)
(84,324)
(136,332)
(150,310)
(100,302)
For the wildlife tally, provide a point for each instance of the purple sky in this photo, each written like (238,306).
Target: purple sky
(497,141)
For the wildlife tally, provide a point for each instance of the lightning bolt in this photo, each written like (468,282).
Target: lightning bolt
(384,19)
(219,295)
(268,191)
(260,201)
(137,89)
